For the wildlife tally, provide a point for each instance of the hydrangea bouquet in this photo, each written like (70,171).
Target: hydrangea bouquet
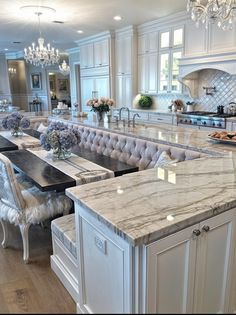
(15,122)
(59,138)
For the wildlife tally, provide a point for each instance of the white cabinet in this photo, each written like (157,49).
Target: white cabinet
(170,273)
(160,118)
(95,54)
(101,53)
(148,43)
(191,271)
(123,91)
(123,49)
(195,39)
(200,41)
(126,66)
(86,56)
(147,73)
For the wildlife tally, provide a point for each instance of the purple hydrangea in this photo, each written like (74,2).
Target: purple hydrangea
(24,123)
(15,121)
(59,136)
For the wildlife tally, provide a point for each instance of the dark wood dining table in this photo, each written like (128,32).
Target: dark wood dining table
(119,168)
(44,176)
(6,145)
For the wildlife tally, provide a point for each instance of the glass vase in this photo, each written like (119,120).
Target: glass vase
(16,132)
(61,154)
(101,116)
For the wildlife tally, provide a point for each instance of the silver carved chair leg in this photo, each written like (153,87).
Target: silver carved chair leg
(24,229)
(5,233)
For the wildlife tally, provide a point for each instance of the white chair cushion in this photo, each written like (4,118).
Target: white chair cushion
(39,205)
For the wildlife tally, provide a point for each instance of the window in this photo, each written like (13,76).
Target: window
(178,37)
(165,40)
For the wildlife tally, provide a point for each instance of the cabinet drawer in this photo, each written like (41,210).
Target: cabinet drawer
(160,118)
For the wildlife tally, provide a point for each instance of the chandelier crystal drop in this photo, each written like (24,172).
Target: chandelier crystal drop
(64,68)
(41,55)
(221,12)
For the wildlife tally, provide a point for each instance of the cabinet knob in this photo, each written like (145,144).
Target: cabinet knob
(206,228)
(196,232)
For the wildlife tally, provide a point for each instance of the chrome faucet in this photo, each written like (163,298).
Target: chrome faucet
(135,115)
(126,108)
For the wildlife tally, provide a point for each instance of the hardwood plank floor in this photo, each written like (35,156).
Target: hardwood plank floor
(31,288)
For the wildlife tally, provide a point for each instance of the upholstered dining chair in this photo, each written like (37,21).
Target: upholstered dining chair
(23,204)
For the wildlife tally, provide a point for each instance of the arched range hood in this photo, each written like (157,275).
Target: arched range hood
(194,71)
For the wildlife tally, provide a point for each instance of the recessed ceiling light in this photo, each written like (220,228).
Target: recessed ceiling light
(117,18)
(6,49)
(80,31)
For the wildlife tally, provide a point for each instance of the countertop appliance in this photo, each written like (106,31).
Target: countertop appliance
(205,119)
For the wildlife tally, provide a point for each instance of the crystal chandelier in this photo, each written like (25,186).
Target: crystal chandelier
(64,68)
(41,55)
(222,12)
(12,70)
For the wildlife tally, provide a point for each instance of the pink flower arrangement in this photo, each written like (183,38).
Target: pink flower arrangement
(100,105)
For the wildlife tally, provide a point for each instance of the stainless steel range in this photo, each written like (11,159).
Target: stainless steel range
(205,119)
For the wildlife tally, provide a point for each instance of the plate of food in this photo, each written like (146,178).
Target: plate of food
(223,136)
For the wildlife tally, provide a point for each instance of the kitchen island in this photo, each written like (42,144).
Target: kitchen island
(160,240)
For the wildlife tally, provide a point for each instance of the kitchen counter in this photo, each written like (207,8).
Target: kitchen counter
(148,205)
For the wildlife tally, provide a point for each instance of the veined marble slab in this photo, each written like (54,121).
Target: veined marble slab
(145,206)
(24,141)
(82,170)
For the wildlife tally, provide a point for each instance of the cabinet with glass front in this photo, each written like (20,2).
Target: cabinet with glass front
(171,49)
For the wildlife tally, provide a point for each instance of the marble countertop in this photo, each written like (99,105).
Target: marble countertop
(146,206)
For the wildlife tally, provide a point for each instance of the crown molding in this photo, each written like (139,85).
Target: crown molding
(99,36)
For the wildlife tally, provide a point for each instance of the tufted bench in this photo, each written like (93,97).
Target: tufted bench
(64,259)
(133,151)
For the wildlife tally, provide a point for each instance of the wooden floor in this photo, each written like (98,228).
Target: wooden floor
(32,288)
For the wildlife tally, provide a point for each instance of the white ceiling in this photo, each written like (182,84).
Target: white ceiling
(92,16)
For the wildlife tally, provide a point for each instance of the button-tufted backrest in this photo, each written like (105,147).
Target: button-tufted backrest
(10,192)
(131,150)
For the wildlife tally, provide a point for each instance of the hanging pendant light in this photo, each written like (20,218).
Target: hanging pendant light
(64,68)
(41,55)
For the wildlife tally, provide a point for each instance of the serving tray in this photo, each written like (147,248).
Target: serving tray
(225,141)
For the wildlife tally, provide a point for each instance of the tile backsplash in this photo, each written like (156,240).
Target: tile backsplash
(225,93)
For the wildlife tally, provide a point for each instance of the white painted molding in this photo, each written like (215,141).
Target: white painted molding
(14,55)
(99,36)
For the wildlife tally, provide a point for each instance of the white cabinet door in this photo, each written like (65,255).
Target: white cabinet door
(102,86)
(148,43)
(170,273)
(101,53)
(124,91)
(86,56)
(151,78)
(142,74)
(214,264)
(124,55)
(221,41)
(87,86)
(195,40)
(147,69)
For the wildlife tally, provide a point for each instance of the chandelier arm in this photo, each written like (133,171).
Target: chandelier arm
(200,6)
(231,9)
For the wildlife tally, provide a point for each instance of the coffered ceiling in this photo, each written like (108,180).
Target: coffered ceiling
(18,29)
